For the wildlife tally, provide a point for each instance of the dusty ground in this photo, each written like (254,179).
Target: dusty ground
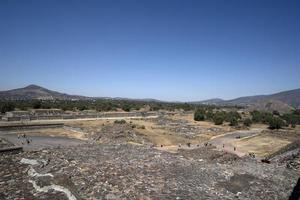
(89,125)
(262,145)
(267,142)
(175,132)
(168,132)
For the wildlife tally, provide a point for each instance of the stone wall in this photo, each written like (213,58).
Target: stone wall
(82,115)
(29,126)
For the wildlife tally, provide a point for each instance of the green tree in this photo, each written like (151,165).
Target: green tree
(199,115)
(218,118)
(256,116)
(276,123)
(209,115)
(122,121)
(37,105)
(126,107)
(266,118)
(233,122)
(230,115)
(6,107)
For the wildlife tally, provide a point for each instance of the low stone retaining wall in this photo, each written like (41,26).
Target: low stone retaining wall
(29,126)
(82,116)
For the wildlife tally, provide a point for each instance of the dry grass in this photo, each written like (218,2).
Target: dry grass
(90,125)
(262,144)
(260,126)
(155,133)
(160,136)
(204,124)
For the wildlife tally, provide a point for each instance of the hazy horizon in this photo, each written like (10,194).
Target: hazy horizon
(144,97)
(166,50)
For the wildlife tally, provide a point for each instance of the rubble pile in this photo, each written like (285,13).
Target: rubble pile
(125,171)
(291,160)
(118,133)
(182,127)
(210,154)
(294,163)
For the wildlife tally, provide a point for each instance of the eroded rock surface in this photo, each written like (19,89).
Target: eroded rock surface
(124,171)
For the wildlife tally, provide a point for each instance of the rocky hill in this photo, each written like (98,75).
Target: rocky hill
(36,92)
(290,98)
(271,105)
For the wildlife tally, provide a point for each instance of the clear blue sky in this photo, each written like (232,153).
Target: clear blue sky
(169,50)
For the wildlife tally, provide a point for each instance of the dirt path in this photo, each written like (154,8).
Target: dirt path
(225,142)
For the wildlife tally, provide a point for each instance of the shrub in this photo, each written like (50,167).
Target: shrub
(209,115)
(276,123)
(247,122)
(292,119)
(218,119)
(233,121)
(199,115)
(122,121)
(133,126)
(262,117)
(126,107)
(142,127)
(230,115)
(266,118)
(256,116)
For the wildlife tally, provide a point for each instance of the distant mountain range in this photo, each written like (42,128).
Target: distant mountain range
(37,92)
(286,100)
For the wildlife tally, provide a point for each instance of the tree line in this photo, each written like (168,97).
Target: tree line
(275,120)
(101,105)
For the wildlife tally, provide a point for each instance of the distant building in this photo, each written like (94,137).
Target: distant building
(16,116)
(45,112)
